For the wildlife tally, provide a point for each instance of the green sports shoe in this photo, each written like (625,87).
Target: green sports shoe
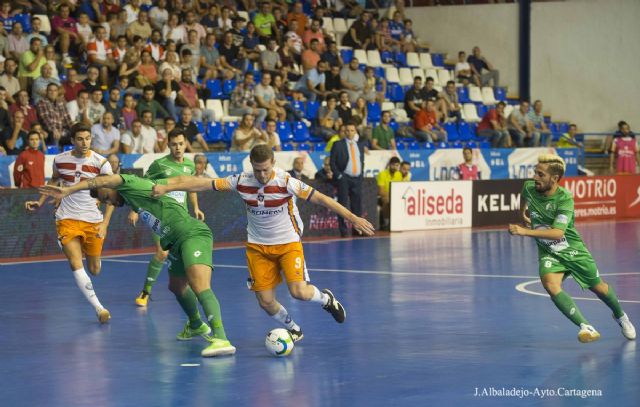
(189,333)
(218,347)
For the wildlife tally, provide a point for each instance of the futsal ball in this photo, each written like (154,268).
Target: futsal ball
(279,342)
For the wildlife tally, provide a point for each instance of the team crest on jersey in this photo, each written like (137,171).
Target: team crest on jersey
(534,214)
(78,174)
(550,207)
(185,169)
(260,197)
(168,172)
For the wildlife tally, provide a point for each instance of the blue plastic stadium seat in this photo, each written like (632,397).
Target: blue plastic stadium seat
(284,131)
(54,149)
(429,146)
(397,92)
(304,147)
(464,129)
(288,147)
(401,145)
(300,132)
(482,109)
(452,131)
(378,71)
(414,145)
(227,88)
(471,144)
(215,89)
(319,146)
(386,57)
(437,59)
(485,144)
(443,144)
(463,94)
(394,126)
(214,133)
(347,55)
(401,59)
(298,105)
(67,147)
(500,93)
(200,127)
(374,111)
(457,144)
(229,128)
(312,110)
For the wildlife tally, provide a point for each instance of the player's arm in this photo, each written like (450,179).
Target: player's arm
(184,183)
(193,200)
(358,223)
(104,181)
(523,211)
(34,205)
(550,234)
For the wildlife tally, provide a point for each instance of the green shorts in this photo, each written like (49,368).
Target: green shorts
(193,249)
(584,270)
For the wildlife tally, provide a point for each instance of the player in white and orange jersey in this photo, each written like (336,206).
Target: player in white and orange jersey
(80,225)
(274,232)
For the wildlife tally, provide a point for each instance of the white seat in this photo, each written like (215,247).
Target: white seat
(413,61)
(400,115)
(425,60)
(350,21)
(387,106)
(339,25)
(405,76)
(508,109)
(327,24)
(216,106)
(431,73)
(488,98)
(244,15)
(361,56)
(373,58)
(470,112)
(45,24)
(475,95)
(392,75)
(226,117)
(417,72)
(444,76)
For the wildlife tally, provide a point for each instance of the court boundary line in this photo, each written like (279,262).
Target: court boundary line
(522,287)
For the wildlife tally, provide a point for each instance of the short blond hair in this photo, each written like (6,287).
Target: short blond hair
(556,164)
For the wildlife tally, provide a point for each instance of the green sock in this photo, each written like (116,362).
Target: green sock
(189,304)
(569,308)
(211,308)
(612,302)
(153,270)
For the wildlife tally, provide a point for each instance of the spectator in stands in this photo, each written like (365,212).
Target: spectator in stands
(298,15)
(568,140)
(250,43)
(210,60)
(147,71)
(171,63)
(294,39)
(463,71)
(414,97)
(246,135)
(450,103)
(359,35)
(128,112)
(243,100)
(140,27)
(99,54)
(540,127)
(266,99)
(269,58)
(493,126)
(120,50)
(521,128)
(280,89)
(154,46)
(30,64)
(332,55)
(191,24)
(65,31)
(230,55)
(370,92)
(91,81)
(148,102)
(113,106)
(479,64)
(8,79)
(312,83)
(272,135)
(84,31)
(384,180)
(79,109)
(114,161)
(325,174)
(158,15)
(118,26)
(12,138)
(28,170)
(468,170)
(383,136)
(405,170)
(132,9)
(72,85)
(353,80)
(6,18)
(190,130)
(105,138)
(347,165)
(52,61)
(96,108)
(137,142)
(192,45)
(290,69)
(396,27)
(28,111)
(40,84)
(54,116)
(298,167)
(311,56)
(17,43)
(624,151)
(426,125)
(163,134)
(314,32)
(201,162)
(332,81)
(328,119)
(344,108)
(360,115)
(36,31)
(188,97)
(265,22)
(383,40)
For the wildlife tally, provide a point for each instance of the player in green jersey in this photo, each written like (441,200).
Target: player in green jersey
(561,251)
(172,165)
(188,240)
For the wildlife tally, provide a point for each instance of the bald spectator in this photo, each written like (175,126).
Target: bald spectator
(353,80)
(482,68)
(39,89)
(298,167)
(105,138)
(114,161)
(8,79)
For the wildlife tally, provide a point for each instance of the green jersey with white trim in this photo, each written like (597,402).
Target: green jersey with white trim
(166,167)
(554,212)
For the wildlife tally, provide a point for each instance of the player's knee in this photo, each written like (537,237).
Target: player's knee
(267,304)
(552,287)
(299,292)
(161,255)
(94,268)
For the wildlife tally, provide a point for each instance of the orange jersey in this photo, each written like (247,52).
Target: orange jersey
(273,216)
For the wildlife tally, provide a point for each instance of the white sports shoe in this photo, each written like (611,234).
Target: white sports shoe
(628,331)
(588,334)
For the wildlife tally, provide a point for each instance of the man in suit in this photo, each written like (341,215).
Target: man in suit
(296,172)
(347,165)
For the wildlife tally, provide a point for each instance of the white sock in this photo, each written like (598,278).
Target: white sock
(284,318)
(84,284)
(319,296)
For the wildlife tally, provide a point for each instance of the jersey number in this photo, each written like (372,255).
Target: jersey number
(298,262)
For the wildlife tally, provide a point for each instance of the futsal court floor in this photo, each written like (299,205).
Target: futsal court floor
(440,318)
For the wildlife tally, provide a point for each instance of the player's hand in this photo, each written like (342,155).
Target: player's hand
(517,230)
(158,190)
(53,191)
(133,218)
(364,226)
(32,206)
(102,230)
(526,220)
(199,214)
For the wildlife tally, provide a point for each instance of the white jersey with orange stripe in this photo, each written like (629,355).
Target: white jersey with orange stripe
(273,216)
(71,170)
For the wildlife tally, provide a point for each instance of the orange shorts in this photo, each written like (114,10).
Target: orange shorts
(266,261)
(69,229)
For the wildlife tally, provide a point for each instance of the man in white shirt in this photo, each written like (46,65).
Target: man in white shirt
(463,70)
(148,131)
(135,142)
(105,139)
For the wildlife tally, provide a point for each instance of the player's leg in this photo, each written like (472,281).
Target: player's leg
(607,294)
(153,270)
(552,273)
(292,263)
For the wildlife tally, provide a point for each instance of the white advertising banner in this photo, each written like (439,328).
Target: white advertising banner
(431,205)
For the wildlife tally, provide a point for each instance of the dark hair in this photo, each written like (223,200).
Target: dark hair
(78,128)
(467,149)
(175,133)
(406,163)
(261,153)
(622,123)
(394,160)
(416,78)
(145,112)
(31,132)
(450,82)
(429,79)
(148,87)
(34,39)
(501,104)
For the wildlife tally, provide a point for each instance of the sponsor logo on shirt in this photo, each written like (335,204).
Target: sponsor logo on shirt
(562,219)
